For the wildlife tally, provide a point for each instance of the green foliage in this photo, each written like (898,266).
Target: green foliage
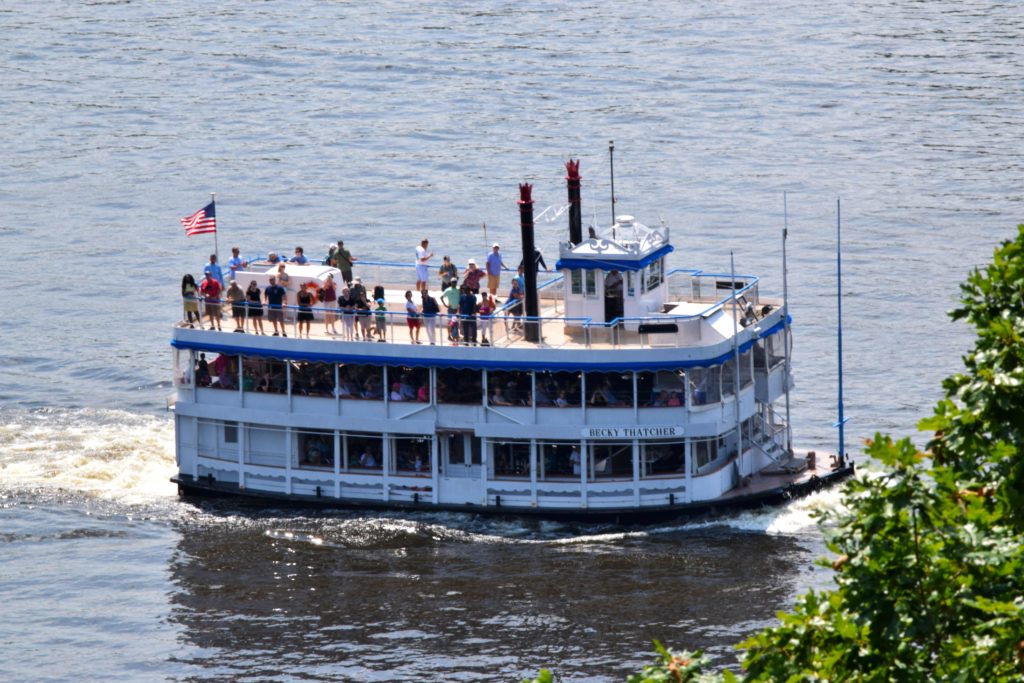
(929,566)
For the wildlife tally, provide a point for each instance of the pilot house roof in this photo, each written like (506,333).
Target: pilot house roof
(631,246)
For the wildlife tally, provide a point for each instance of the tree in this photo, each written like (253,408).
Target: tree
(929,567)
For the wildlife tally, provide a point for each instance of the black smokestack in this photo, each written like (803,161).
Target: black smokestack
(532,330)
(572,178)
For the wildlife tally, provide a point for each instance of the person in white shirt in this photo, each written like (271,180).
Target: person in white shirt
(423,265)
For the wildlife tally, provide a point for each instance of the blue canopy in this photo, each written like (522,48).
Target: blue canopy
(614,263)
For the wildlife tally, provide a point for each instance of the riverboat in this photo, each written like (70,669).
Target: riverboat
(624,391)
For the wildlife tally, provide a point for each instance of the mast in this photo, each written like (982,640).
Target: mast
(216,249)
(841,423)
(785,323)
(611,166)
(736,364)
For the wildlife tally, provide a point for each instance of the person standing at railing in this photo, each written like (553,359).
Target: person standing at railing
(236,297)
(494,266)
(471,278)
(299,258)
(330,299)
(450,296)
(255,307)
(189,290)
(363,315)
(467,315)
(430,311)
(214,268)
(449,273)
(380,320)
(486,311)
(515,300)
(275,295)
(348,313)
(423,264)
(236,263)
(412,317)
(343,260)
(210,290)
(305,315)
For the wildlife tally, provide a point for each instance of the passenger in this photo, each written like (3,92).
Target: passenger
(210,290)
(275,296)
(299,258)
(367,459)
(661,400)
(236,263)
(189,290)
(561,401)
(423,393)
(348,314)
(330,299)
(538,258)
(471,278)
(430,311)
(604,396)
(676,400)
(450,296)
(363,316)
(273,258)
(202,371)
(574,459)
(409,392)
(486,311)
(381,320)
(396,392)
(305,314)
(498,398)
(343,260)
(467,315)
(373,388)
(236,297)
(423,264)
(282,276)
(418,463)
(214,267)
(412,316)
(252,296)
(494,265)
(449,273)
(515,294)
(356,290)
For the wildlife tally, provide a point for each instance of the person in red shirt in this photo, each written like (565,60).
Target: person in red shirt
(210,289)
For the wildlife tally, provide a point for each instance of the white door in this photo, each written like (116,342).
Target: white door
(461,479)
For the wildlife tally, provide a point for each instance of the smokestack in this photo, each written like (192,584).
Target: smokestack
(532,329)
(572,178)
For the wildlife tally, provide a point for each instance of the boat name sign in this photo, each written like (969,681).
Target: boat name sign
(632,432)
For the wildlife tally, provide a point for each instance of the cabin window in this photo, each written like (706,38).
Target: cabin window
(264,375)
(216,370)
(610,389)
(312,379)
(182,374)
(705,385)
(746,369)
(555,460)
(591,282)
(663,458)
(557,389)
(459,386)
(576,278)
(661,389)
(315,449)
(654,274)
(510,388)
(360,382)
(408,384)
(410,455)
(230,432)
(705,453)
(364,452)
(511,459)
(630,283)
(265,446)
(728,373)
(611,460)
(209,444)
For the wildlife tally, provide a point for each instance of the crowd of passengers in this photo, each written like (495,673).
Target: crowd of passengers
(363,317)
(553,389)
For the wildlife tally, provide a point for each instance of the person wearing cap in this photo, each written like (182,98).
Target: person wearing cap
(423,265)
(275,295)
(236,297)
(357,291)
(299,258)
(210,289)
(448,272)
(380,320)
(273,258)
(451,296)
(214,267)
(471,278)
(343,260)
(494,266)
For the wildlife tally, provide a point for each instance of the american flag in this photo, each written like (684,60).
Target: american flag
(202,221)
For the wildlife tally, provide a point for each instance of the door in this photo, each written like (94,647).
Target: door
(461,479)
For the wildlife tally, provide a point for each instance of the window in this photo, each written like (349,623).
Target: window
(746,370)
(511,459)
(705,452)
(511,388)
(654,274)
(663,458)
(705,385)
(364,452)
(312,379)
(459,386)
(630,283)
(411,455)
(610,389)
(265,446)
(661,389)
(555,460)
(315,449)
(264,375)
(576,278)
(360,382)
(558,389)
(217,371)
(611,460)
(591,278)
(408,384)
(230,432)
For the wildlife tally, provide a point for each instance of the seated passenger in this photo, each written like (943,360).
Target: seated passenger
(367,459)
(396,392)
(498,398)
(423,393)
(561,401)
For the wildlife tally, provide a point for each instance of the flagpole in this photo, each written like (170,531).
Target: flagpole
(785,322)
(216,248)
(841,423)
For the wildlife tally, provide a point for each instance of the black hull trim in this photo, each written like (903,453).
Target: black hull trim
(188,487)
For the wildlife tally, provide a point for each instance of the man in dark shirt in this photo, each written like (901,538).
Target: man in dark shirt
(467,315)
(210,289)
(275,295)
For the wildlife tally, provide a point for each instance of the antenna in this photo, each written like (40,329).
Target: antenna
(841,423)
(785,321)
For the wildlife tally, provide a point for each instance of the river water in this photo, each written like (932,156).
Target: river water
(379,123)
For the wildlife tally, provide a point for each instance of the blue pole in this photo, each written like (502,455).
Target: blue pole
(839,337)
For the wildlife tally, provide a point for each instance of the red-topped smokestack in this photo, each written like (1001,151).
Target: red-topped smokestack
(572,178)
(531,332)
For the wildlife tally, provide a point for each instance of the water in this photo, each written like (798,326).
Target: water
(380,124)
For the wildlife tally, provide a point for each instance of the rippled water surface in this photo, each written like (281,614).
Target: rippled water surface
(378,124)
